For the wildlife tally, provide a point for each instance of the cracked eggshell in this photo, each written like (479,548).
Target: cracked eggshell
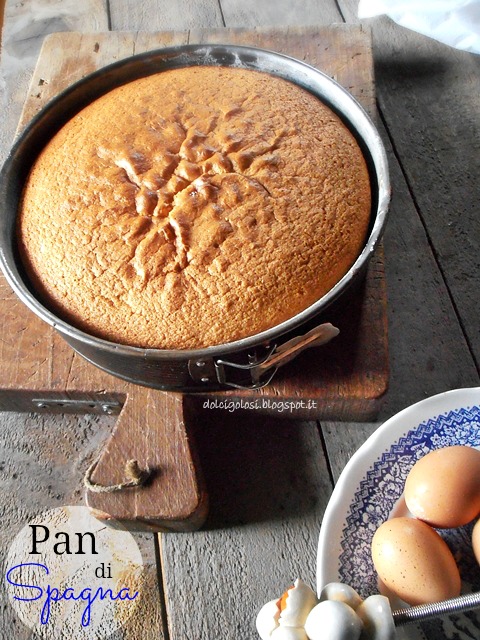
(297,603)
(287,612)
(342,593)
(289,633)
(267,619)
(333,620)
(376,615)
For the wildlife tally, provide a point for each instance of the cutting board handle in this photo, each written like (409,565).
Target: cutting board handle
(147,476)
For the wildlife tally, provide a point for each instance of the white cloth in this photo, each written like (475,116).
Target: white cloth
(453,22)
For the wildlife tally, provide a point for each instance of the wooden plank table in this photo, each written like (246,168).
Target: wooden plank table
(344,380)
(269,480)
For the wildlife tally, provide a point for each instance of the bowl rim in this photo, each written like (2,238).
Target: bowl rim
(391,431)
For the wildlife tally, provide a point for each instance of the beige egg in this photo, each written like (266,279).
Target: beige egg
(443,487)
(414,562)
(476,541)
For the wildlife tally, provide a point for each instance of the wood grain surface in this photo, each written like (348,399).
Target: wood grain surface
(269,479)
(347,379)
(43,457)
(344,380)
(42,462)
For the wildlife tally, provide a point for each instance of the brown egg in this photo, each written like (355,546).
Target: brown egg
(476,540)
(443,487)
(414,562)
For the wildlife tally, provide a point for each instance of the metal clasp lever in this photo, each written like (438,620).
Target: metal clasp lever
(252,368)
(262,371)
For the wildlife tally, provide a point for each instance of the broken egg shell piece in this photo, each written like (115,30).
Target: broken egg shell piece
(289,633)
(299,601)
(289,612)
(376,615)
(267,619)
(334,620)
(342,593)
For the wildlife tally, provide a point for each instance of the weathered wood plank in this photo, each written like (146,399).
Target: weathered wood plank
(319,46)
(23,335)
(340,386)
(45,457)
(282,13)
(427,356)
(422,363)
(160,15)
(153,429)
(429,95)
(24,30)
(437,140)
(342,439)
(428,351)
(2,13)
(268,486)
(42,462)
(173,494)
(68,57)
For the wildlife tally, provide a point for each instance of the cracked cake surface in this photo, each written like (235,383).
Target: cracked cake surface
(194,207)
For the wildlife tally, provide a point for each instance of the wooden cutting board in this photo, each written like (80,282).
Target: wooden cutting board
(39,372)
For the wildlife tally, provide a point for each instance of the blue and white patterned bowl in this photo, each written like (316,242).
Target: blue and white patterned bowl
(370,488)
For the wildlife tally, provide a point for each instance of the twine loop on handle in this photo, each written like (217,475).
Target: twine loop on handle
(135,477)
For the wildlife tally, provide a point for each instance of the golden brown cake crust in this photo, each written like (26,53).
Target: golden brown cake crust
(194,207)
